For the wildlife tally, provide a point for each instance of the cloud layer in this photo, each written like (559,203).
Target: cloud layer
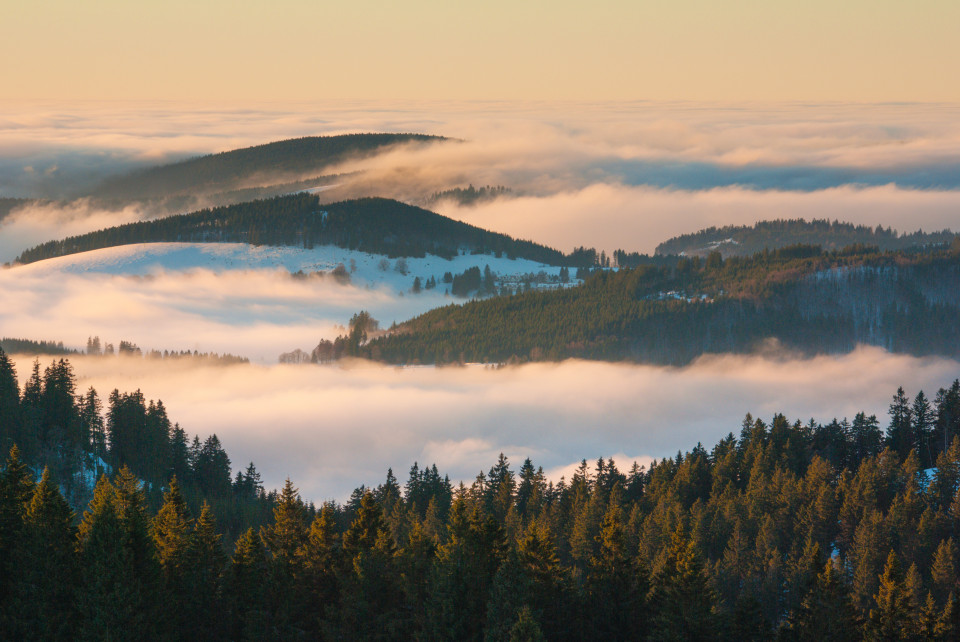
(257,314)
(332,428)
(612,175)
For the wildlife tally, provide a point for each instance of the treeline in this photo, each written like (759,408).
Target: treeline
(30,346)
(78,436)
(375,225)
(130,349)
(811,301)
(469,195)
(744,240)
(789,531)
(285,159)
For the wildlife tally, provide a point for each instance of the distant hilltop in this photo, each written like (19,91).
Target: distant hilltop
(282,162)
(744,240)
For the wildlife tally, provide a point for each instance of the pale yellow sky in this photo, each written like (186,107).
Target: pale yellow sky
(728,50)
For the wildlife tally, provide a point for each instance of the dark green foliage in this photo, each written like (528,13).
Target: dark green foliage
(527,629)
(375,225)
(469,195)
(16,490)
(828,303)
(29,346)
(121,575)
(44,593)
(682,600)
(742,240)
(826,612)
(9,404)
(755,538)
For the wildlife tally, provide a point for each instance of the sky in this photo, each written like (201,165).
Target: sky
(288,50)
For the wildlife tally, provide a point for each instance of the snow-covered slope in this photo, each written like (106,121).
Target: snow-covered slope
(364,269)
(227,297)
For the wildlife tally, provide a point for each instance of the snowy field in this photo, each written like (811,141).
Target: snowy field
(365,269)
(224,297)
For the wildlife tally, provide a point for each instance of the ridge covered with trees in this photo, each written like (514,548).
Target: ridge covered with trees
(375,225)
(809,300)
(745,240)
(78,435)
(280,161)
(788,531)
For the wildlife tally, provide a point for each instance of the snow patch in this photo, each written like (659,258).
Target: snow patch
(364,269)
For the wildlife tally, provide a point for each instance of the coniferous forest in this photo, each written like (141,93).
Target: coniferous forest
(745,240)
(809,300)
(375,225)
(791,530)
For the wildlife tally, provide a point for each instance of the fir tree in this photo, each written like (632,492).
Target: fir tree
(616,583)
(16,491)
(826,611)
(246,589)
(43,593)
(527,629)
(682,599)
(204,578)
(171,534)
(284,538)
(894,617)
(9,403)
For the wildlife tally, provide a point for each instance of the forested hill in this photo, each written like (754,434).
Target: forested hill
(283,160)
(744,240)
(832,530)
(373,225)
(808,300)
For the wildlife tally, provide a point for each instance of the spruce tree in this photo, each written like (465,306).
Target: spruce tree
(205,578)
(826,612)
(103,604)
(16,490)
(943,571)
(44,594)
(682,598)
(322,561)
(171,534)
(372,594)
(9,403)
(900,435)
(284,538)
(548,586)
(527,629)
(616,583)
(894,617)
(246,590)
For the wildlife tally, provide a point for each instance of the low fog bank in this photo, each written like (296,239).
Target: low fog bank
(255,314)
(611,175)
(332,428)
(639,218)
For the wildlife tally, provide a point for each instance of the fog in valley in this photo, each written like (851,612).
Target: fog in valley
(606,175)
(333,428)
(610,175)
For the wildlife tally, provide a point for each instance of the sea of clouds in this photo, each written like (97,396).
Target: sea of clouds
(332,428)
(613,176)
(622,175)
